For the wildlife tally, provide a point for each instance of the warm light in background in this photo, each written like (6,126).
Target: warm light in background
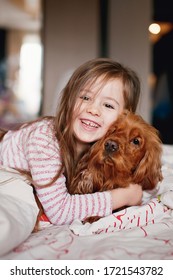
(154,28)
(157,30)
(28,90)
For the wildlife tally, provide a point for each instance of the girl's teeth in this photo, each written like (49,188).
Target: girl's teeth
(90,124)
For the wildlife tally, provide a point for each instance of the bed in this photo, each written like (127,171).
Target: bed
(140,232)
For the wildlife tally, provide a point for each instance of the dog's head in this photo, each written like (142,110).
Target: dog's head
(131,151)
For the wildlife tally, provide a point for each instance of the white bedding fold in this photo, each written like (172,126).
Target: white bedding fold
(18,210)
(135,216)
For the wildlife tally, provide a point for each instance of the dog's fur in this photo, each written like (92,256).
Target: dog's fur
(130,152)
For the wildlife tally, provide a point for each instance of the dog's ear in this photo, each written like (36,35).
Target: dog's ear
(116,124)
(148,172)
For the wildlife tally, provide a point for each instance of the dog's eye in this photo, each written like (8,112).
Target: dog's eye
(136,141)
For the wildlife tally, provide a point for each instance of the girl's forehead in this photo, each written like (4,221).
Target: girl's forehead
(100,82)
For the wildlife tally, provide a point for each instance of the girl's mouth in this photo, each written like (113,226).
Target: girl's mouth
(90,123)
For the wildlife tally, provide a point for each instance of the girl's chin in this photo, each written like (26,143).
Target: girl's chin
(86,137)
(87,140)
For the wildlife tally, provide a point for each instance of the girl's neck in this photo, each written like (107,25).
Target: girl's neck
(81,149)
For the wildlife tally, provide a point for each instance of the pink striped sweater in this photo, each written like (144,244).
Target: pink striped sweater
(34,148)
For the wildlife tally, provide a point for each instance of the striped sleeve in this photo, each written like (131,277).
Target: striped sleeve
(62,208)
(44,160)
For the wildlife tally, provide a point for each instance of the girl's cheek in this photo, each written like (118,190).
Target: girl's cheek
(77,108)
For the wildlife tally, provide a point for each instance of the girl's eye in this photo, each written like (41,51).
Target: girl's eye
(109,106)
(84,97)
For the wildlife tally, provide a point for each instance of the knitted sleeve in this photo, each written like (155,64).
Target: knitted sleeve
(42,153)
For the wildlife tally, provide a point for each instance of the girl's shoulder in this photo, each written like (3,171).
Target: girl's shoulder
(44,126)
(40,133)
(43,122)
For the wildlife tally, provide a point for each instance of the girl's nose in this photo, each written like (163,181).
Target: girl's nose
(93,108)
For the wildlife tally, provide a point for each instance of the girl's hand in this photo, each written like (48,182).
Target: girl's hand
(129,196)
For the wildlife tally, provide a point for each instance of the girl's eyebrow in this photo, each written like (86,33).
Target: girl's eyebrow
(86,90)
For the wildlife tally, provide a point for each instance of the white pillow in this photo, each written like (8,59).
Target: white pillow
(18,210)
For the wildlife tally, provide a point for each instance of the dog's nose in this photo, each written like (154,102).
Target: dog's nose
(111,146)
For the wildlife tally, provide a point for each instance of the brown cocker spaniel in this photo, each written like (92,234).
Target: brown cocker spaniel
(130,152)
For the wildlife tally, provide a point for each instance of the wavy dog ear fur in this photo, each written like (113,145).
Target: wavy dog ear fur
(148,173)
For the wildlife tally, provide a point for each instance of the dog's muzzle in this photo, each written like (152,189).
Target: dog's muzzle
(111,146)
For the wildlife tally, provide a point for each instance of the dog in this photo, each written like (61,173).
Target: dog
(130,152)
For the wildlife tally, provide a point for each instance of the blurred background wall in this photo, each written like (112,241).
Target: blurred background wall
(43,41)
(74,31)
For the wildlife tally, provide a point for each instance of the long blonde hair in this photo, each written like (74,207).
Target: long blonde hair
(87,73)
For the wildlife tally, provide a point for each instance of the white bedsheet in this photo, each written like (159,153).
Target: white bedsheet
(144,232)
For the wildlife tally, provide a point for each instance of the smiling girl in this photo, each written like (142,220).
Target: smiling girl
(49,148)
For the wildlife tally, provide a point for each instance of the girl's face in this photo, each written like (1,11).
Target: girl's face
(95,110)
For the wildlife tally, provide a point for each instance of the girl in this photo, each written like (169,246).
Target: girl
(49,148)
